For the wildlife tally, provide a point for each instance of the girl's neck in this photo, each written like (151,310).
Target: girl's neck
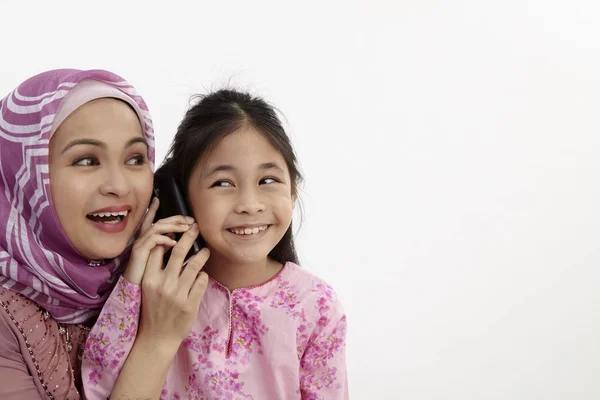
(235,275)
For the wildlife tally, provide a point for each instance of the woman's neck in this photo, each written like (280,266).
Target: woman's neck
(235,275)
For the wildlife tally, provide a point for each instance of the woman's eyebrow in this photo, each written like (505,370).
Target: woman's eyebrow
(94,142)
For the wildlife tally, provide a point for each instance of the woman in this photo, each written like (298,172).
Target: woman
(77,154)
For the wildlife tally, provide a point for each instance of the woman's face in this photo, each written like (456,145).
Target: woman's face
(100,177)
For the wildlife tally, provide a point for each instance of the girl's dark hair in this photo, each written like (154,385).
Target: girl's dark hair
(215,116)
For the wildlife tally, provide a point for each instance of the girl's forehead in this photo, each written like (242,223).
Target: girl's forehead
(244,144)
(242,150)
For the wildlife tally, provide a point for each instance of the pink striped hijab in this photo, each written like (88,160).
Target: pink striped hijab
(36,257)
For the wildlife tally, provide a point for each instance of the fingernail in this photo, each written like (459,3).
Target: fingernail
(189,220)
(194,227)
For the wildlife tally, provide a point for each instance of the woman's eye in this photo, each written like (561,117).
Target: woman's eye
(137,160)
(222,184)
(86,162)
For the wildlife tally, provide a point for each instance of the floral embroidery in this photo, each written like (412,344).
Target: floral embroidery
(128,294)
(194,390)
(325,346)
(110,340)
(246,326)
(217,385)
(326,296)
(311,385)
(317,374)
(164,395)
(302,335)
(94,377)
(223,384)
(286,298)
(202,344)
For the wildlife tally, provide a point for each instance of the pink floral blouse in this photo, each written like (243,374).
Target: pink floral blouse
(284,339)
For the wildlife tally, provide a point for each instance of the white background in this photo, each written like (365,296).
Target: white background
(451,151)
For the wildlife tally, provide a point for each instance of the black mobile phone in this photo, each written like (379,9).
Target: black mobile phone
(172,202)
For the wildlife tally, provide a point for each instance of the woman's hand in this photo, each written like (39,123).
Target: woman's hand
(150,236)
(170,301)
(171,296)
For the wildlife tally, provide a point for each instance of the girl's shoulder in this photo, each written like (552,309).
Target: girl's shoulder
(309,287)
(295,271)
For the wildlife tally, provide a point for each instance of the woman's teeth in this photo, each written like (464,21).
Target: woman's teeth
(108,217)
(248,231)
(108,214)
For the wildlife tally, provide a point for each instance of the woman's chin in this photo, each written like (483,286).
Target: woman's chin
(104,254)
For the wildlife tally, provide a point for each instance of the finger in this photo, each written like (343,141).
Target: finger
(154,264)
(150,214)
(192,268)
(139,257)
(176,219)
(198,288)
(173,268)
(142,251)
(149,241)
(165,228)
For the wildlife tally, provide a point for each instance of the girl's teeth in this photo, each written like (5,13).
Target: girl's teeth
(249,231)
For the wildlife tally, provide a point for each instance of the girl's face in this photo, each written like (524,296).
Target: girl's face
(241,197)
(100,178)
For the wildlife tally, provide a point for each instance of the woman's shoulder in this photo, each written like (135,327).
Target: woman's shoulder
(20,325)
(8,324)
(29,334)
(18,312)
(25,324)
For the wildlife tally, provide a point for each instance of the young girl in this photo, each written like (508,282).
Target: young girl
(266,328)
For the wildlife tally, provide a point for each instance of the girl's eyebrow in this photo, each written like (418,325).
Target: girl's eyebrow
(271,165)
(227,167)
(218,168)
(94,142)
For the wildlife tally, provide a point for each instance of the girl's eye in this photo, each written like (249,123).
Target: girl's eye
(268,181)
(86,162)
(222,184)
(137,160)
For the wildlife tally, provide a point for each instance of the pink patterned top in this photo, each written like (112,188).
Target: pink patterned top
(284,339)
